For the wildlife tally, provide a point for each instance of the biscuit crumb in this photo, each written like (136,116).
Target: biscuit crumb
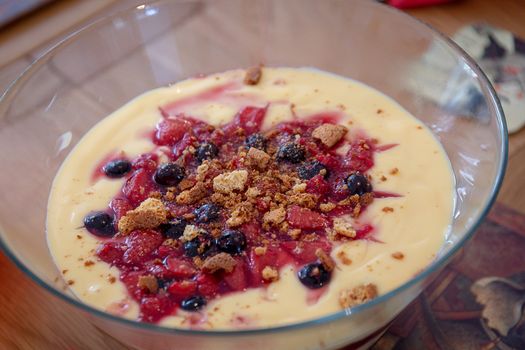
(190,232)
(240,215)
(186,184)
(229,182)
(89,263)
(70,282)
(194,194)
(274,217)
(325,259)
(394,171)
(299,188)
(357,295)
(295,233)
(388,209)
(260,251)
(253,75)
(252,192)
(270,274)
(329,134)
(112,279)
(327,207)
(398,255)
(379,111)
(79,237)
(148,282)
(149,214)
(221,261)
(344,228)
(341,255)
(383,178)
(258,158)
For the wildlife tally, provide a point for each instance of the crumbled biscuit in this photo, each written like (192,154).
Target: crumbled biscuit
(253,75)
(306,200)
(327,207)
(148,282)
(89,263)
(149,214)
(388,209)
(252,192)
(258,158)
(186,184)
(299,188)
(341,255)
(357,295)
(190,232)
(274,217)
(366,198)
(325,259)
(202,170)
(357,210)
(232,181)
(383,178)
(398,255)
(295,233)
(394,171)
(155,194)
(193,195)
(260,251)
(344,228)
(221,261)
(240,215)
(329,134)
(270,274)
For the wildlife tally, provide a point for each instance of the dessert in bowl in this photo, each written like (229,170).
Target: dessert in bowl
(199,243)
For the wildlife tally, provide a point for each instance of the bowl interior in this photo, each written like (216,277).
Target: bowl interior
(95,71)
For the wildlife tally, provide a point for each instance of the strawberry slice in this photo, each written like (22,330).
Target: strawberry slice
(207,284)
(236,279)
(304,252)
(153,308)
(249,118)
(131,280)
(182,289)
(180,268)
(146,161)
(360,156)
(120,207)
(138,187)
(318,185)
(140,246)
(171,130)
(273,257)
(305,218)
(111,252)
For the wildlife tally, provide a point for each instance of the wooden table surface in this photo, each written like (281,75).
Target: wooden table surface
(31,318)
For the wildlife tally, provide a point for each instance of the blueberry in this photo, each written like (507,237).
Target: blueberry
(100,224)
(314,275)
(291,152)
(163,283)
(206,150)
(169,174)
(358,184)
(207,213)
(200,246)
(193,303)
(308,170)
(117,168)
(175,228)
(231,242)
(256,141)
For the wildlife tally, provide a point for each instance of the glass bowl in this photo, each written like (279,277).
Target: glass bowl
(96,70)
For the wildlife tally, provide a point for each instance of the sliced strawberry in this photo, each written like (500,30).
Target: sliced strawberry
(138,187)
(180,268)
(111,252)
(249,118)
(141,244)
(146,161)
(273,257)
(171,130)
(360,156)
(305,218)
(207,284)
(153,308)
(180,146)
(131,281)
(120,207)
(236,279)
(318,185)
(182,289)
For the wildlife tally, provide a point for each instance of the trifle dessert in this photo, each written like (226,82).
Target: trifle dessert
(247,199)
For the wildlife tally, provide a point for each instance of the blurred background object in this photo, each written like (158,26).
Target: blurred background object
(13,9)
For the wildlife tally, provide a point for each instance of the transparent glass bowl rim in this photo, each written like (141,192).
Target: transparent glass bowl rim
(431,268)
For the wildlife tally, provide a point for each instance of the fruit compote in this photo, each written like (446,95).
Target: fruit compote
(247,199)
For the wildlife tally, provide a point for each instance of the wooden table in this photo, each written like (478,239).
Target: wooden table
(30,318)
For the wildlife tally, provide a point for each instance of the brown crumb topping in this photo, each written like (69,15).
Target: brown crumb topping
(394,171)
(230,181)
(357,295)
(270,274)
(398,255)
(274,217)
(325,259)
(149,214)
(240,215)
(89,263)
(383,178)
(258,158)
(341,255)
(329,134)
(190,232)
(253,75)
(295,233)
(260,251)
(327,207)
(149,283)
(344,228)
(193,195)
(221,261)
(388,209)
